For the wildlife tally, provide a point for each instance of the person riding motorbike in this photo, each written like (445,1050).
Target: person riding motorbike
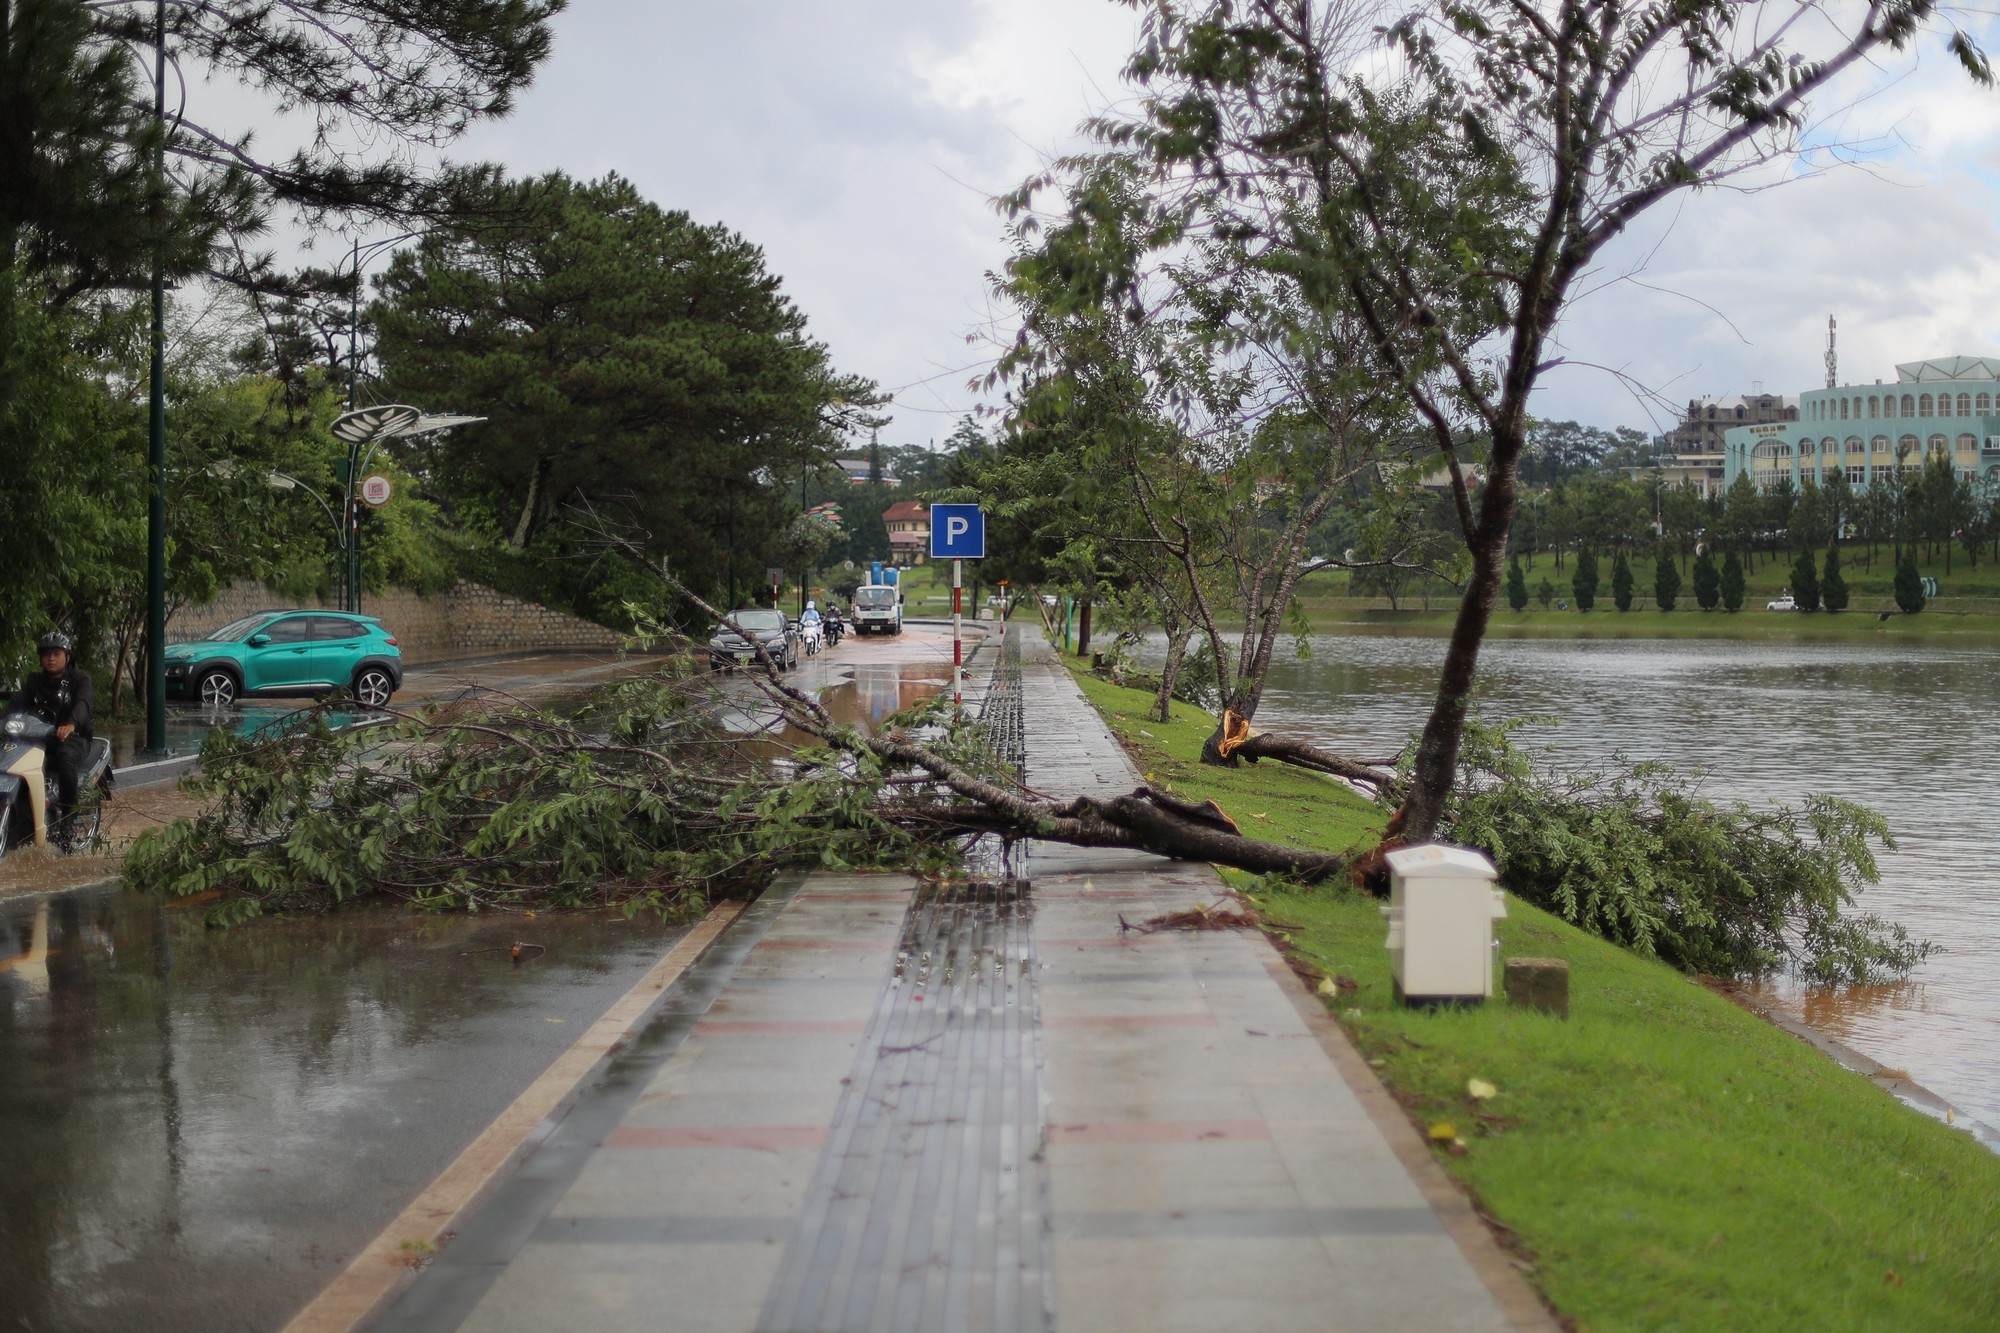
(811,627)
(835,626)
(60,696)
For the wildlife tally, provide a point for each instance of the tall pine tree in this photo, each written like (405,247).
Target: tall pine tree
(1832,587)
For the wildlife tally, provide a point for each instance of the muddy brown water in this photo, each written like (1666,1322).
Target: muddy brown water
(1905,728)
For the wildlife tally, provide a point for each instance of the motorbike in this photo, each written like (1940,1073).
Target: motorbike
(811,633)
(835,627)
(28,788)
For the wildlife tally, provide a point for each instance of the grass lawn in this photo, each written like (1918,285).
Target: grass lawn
(1668,1160)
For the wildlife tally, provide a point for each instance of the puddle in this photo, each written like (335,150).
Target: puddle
(863,694)
(199,1128)
(187,728)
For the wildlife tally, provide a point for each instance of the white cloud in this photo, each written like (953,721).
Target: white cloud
(859,144)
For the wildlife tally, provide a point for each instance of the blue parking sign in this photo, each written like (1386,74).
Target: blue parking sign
(958,532)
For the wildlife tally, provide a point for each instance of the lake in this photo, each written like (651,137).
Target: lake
(1907,729)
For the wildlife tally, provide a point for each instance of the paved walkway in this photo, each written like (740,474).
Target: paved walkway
(875,1104)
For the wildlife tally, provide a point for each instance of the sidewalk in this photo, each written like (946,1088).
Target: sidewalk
(875,1104)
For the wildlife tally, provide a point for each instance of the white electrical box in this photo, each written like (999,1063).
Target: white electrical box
(1441,910)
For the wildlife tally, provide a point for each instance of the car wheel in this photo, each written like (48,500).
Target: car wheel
(373,687)
(216,689)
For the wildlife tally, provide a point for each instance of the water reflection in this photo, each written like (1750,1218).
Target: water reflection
(198,1128)
(1903,727)
(188,727)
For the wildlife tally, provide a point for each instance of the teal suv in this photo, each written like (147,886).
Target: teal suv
(288,652)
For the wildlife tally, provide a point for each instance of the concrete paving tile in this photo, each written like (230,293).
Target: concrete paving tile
(1203,1285)
(690,1182)
(629,1289)
(1167,1177)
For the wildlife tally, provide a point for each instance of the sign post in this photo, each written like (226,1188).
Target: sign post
(958,534)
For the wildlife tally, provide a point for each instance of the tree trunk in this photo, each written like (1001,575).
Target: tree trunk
(524,528)
(1177,642)
(1436,767)
(1083,630)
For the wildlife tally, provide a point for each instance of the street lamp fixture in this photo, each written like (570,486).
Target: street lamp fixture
(363,431)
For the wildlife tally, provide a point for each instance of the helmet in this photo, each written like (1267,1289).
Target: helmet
(55,639)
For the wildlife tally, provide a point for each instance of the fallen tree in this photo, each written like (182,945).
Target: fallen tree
(1234,742)
(652,796)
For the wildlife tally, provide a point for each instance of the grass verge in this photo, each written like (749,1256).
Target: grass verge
(1667,1160)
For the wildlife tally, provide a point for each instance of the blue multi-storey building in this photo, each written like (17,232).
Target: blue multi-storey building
(1948,406)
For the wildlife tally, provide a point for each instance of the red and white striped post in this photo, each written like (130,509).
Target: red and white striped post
(957,647)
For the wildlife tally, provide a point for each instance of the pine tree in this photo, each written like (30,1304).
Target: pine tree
(1732,582)
(1707,583)
(1666,581)
(1517,586)
(1584,581)
(1621,582)
(1805,582)
(1545,592)
(1832,587)
(1909,584)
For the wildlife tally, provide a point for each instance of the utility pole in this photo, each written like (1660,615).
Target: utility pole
(1832,361)
(156,449)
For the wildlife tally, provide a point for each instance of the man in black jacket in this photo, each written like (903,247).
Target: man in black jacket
(60,695)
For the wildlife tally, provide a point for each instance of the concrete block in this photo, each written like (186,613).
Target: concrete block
(1539,983)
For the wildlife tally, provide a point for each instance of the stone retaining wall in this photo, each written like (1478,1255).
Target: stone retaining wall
(467,620)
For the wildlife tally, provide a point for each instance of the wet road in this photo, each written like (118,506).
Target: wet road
(199,1128)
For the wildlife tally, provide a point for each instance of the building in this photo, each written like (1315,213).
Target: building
(909,525)
(1948,406)
(1695,455)
(857,471)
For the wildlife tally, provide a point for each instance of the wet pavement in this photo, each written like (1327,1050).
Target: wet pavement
(883,1104)
(198,1128)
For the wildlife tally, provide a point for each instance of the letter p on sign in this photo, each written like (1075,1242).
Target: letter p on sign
(958,532)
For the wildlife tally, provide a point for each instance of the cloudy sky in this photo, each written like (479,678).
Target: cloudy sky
(860,143)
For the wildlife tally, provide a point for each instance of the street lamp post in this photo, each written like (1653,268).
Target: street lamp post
(156,442)
(350,573)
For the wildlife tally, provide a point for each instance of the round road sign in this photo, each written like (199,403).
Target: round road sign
(376,489)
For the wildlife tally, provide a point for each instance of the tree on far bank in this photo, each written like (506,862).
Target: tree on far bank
(1517,586)
(1666,581)
(1832,587)
(1732,581)
(1584,582)
(1456,204)
(1805,582)
(1621,582)
(1909,584)
(1545,592)
(1707,583)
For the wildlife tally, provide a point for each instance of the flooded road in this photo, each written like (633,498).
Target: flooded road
(198,1128)
(1905,728)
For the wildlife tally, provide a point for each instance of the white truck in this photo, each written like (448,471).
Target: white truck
(878,609)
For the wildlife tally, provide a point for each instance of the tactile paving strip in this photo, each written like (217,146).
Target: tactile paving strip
(929,1208)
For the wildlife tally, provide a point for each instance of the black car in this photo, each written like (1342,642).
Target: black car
(778,637)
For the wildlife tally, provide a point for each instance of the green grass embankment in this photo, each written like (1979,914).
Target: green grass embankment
(1667,1160)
